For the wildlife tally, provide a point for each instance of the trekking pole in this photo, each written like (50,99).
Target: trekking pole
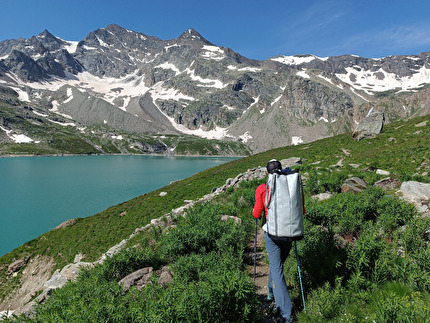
(300,278)
(255,248)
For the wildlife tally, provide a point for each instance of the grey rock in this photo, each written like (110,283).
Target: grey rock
(370,126)
(323,196)
(382,172)
(66,223)
(388,183)
(16,266)
(68,272)
(421,124)
(165,275)
(353,184)
(415,192)
(25,67)
(138,278)
(231,217)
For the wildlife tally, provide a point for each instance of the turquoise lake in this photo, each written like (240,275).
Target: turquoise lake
(39,193)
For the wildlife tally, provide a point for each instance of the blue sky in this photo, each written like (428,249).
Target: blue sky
(255,29)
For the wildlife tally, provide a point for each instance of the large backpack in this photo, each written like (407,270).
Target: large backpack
(284,201)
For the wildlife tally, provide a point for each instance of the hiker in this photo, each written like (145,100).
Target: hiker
(277,250)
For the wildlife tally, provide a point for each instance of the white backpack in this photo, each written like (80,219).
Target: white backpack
(284,201)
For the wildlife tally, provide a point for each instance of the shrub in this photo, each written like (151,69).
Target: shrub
(203,232)
(321,260)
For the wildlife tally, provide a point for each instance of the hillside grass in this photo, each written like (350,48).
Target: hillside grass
(364,280)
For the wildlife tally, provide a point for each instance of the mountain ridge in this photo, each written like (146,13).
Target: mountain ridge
(191,86)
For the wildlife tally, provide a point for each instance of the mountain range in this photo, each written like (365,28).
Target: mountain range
(136,90)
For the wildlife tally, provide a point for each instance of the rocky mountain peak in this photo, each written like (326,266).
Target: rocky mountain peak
(45,42)
(191,35)
(46,35)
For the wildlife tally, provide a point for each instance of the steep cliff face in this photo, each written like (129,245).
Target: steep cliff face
(140,83)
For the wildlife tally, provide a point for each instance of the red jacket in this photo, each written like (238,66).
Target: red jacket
(260,196)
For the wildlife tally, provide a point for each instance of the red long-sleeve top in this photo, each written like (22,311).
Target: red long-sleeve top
(260,196)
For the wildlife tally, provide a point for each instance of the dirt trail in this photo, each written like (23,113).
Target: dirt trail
(261,277)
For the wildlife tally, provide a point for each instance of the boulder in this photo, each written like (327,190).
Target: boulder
(415,192)
(165,275)
(139,278)
(66,223)
(69,272)
(421,124)
(370,126)
(388,183)
(231,217)
(16,266)
(323,196)
(382,172)
(353,184)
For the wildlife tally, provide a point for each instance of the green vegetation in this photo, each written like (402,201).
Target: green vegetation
(365,257)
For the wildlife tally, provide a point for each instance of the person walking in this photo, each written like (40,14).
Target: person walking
(277,251)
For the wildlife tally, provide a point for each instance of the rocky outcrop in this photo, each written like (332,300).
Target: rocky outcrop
(140,278)
(417,193)
(25,67)
(388,183)
(354,184)
(370,126)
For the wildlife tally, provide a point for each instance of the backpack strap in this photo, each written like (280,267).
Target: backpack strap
(270,187)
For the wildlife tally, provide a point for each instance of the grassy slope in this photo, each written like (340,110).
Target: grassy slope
(96,234)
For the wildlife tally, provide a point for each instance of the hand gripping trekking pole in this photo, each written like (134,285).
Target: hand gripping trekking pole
(255,248)
(300,278)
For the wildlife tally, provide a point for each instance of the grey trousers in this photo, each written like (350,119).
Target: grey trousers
(277,252)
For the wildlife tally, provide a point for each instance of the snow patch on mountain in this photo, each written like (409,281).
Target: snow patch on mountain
(245,69)
(359,95)
(56,109)
(169,66)
(17,138)
(276,100)
(295,140)
(69,95)
(245,137)
(303,74)
(63,124)
(205,82)
(161,93)
(326,79)
(252,104)
(71,46)
(213,52)
(109,89)
(380,80)
(217,133)
(22,95)
(296,60)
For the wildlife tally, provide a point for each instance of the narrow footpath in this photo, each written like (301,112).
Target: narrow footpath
(261,276)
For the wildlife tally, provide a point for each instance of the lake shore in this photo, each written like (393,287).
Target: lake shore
(159,155)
